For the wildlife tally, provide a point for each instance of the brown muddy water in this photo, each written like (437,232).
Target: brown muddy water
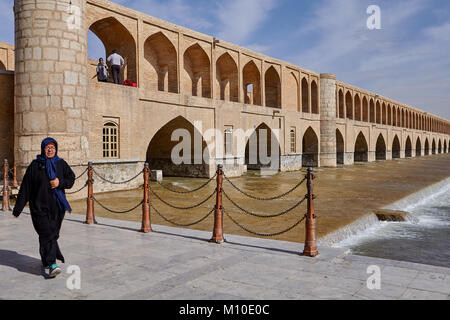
(344,194)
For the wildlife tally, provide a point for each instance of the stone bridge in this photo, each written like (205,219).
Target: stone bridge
(182,77)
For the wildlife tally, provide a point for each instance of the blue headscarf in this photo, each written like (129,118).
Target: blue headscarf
(50,166)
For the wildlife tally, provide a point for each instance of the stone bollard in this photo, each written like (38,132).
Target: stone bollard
(146,225)
(310,249)
(90,217)
(218,214)
(5,202)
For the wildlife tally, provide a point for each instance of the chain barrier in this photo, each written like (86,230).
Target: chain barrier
(265,234)
(113,182)
(263,216)
(87,168)
(264,199)
(190,191)
(85,185)
(182,208)
(118,212)
(179,224)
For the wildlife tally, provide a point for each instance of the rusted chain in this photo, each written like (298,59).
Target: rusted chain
(182,208)
(117,212)
(82,174)
(263,216)
(113,182)
(179,224)
(73,192)
(264,199)
(190,191)
(264,234)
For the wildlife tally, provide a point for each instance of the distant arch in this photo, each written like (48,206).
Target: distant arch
(408,148)
(378,111)
(396,148)
(107,30)
(361,149)
(349,105)
(259,154)
(305,96)
(310,143)
(252,84)
(341,104)
(365,110)
(389,115)
(340,147)
(198,70)
(372,111)
(162,70)
(418,147)
(227,78)
(383,113)
(380,149)
(439,147)
(272,88)
(314,98)
(445,146)
(427,147)
(293,93)
(357,102)
(433,147)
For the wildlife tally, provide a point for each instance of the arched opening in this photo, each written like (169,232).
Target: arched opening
(252,84)
(394,117)
(408,148)
(115,36)
(310,157)
(314,98)
(361,149)
(433,147)
(396,148)
(380,149)
(340,147)
(273,88)
(399,119)
(372,111)
(439,147)
(197,68)
(349,105)
(384,113)
(389,115)
(378,112)
(2,66)
(292,97)
(341,105)
(259,149)
(357,108)
(189,160)
(161,70)
(427,147)
(418,148)
(365,110)
(305,96)
(227,78)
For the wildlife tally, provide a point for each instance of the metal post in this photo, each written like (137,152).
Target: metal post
(14,183)
(146,225)
(310,226)
(5,202)
(218,214)
(90,217)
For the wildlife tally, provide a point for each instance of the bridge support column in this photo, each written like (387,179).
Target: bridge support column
(328,156)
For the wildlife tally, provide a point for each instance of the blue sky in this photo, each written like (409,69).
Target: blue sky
(407,60)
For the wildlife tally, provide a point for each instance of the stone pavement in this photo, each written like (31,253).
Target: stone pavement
(116,262)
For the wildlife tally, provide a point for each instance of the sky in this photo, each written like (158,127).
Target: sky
(407,59)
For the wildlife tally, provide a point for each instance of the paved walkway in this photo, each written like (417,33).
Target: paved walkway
(116,262)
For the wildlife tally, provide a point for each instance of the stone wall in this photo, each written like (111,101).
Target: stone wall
(6,57)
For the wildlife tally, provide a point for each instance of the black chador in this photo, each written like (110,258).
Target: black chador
(47,205)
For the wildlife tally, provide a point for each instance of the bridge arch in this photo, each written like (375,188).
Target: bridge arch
(418,147)
(305,96)
(257,154)
(314,98)
(378,112)
(310,147)
(361,149)
(357,102)
(272,88)
(380,148)
(197,70)
(115,36)
(161,69)
(227,78)
(384,113)
(433,147)
(426,147)
(252,84)
(408,148)
(341,104)
(439,151)
(349,105)
(159,151)
(292,97)
(340,147)
(365,112)
(396,148)
(2,66)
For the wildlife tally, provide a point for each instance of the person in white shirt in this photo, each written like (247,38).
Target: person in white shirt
(117,63)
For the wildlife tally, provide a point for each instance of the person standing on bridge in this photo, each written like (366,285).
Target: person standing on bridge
(43,187)
(102,71)
(117,63)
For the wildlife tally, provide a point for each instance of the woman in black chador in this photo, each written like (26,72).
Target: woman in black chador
(43,187)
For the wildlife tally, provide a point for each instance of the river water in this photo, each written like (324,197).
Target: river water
(344,195)
(424,238)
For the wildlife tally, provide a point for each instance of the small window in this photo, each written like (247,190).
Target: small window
(110,140)
(293,141)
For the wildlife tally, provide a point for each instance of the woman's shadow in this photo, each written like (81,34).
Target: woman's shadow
(22,263)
